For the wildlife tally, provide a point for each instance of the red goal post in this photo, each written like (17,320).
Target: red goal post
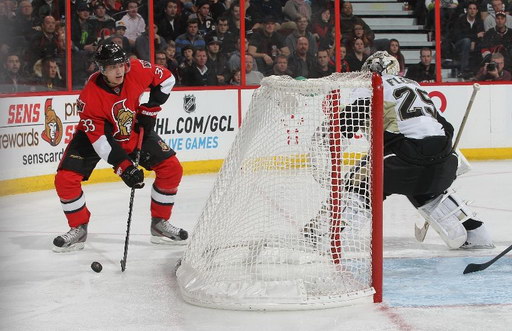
(294,220)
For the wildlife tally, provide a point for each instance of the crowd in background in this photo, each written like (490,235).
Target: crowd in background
(198,40)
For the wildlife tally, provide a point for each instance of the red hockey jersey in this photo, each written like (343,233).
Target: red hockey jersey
(107,115)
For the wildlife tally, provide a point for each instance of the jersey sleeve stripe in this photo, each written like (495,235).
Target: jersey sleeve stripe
(167,85)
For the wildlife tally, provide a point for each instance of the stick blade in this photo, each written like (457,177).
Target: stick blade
(123,265)
(473,267)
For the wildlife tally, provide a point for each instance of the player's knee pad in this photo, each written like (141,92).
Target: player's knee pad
(68,184)
(168,173)
(445,214)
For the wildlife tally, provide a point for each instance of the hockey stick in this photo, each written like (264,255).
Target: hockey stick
(421,233)
(130,206)
(472,267)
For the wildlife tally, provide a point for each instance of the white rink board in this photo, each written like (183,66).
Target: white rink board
(205,132)
(24,152)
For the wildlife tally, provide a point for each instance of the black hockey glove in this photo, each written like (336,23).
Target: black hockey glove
(146,117)
(131,175)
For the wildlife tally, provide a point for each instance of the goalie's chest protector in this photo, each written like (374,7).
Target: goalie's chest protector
(408,109)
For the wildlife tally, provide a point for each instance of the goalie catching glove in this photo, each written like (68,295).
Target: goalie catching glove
(130,174)
(146,117)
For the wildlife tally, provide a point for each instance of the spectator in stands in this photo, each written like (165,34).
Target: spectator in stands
(54,8)
(170,54)
(171,24)
(266,44)
(191,37)
(25,24)
(424,71)
(120,31)
(252,77)
(223,34)
(322,67)
(186,61)
(234,18)
(216,60)
(281,66)
(328,42)
(498,39)
(300,62)
(133,21)
(394,50)
(12,79)
(348,20)
(487,9)
(83,30)
(235,78)
(43,43)
(198,74)
(101,20)
(142,43)
(205,22)
(161,59)
(490,20)
(345,67)
(294,9)
(302,31)
(50,79)
(321,22)
(494,70)
(234,59)
(356,56)
(468,31)
(358,32)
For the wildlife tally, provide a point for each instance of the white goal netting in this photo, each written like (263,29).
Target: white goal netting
(288,224)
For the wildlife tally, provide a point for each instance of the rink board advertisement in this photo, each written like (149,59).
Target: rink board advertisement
(34,131)
(201,125)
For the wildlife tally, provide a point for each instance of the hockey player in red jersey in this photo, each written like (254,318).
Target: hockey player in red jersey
(110,118)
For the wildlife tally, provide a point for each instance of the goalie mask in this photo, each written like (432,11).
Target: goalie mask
(382,62)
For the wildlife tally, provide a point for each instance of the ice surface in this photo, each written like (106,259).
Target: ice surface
(424,288)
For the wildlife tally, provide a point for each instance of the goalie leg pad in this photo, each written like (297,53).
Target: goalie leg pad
(445,214)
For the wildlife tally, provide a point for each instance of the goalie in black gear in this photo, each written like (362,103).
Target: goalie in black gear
(419,161)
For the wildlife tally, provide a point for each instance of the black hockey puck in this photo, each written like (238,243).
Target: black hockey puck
(96,266)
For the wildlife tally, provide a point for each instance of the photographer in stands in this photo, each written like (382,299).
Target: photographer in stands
(494,70)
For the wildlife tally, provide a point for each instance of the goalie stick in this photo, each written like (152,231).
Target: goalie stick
(421,233)
(130,206)
(472,267)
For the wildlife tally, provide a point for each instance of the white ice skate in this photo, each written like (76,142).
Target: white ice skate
(163,232)
(73,240)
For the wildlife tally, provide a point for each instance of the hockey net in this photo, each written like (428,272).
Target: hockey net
(288,224)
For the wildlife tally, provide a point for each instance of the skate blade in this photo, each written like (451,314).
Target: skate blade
(72,248)
(167,241)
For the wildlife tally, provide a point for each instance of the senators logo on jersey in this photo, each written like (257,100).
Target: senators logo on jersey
(124,119)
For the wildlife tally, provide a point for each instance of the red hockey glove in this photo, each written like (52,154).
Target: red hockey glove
(146,117)
(131,175)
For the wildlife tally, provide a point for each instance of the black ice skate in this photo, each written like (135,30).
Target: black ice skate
(73,240)
(163,232)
